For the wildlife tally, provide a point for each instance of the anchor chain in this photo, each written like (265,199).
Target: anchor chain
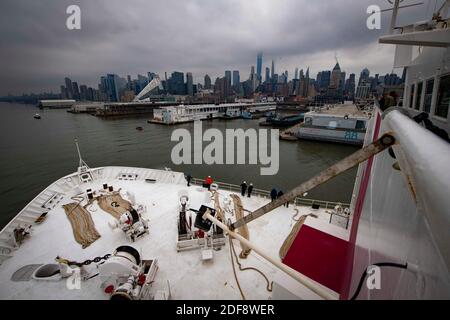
(84,263)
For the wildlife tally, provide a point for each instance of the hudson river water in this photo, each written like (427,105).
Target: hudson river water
(34,153)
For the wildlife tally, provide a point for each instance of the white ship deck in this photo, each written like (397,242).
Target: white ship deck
(188,275)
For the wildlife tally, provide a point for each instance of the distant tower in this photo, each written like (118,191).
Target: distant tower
(69,88)
(253,78)
(272,70)
(207,82)
(306,82)
(189,84)
(228,77)
(267,74)
(236,78)
(335,76)
(296,73)
(259,65)
(364,76)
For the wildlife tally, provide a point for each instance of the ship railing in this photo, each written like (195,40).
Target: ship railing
(299,201)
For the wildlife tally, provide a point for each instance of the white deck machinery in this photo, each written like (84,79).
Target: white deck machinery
(192,233)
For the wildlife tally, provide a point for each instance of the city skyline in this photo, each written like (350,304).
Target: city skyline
(200,79)
(328,85)
(204,44)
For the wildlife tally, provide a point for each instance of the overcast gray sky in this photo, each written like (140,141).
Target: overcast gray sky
(198,36)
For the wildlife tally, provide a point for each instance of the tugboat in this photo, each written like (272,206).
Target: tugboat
(287,121)
(283,121)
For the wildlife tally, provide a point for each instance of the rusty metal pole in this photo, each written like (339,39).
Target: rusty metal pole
(349,162)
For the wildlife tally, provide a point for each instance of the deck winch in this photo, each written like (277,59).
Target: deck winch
(132,223)
(194,232)
(125,276)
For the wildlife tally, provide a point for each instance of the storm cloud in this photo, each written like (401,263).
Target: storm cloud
(198,36)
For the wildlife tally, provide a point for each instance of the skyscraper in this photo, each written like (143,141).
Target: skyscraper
(342,82)
(306,90)
(150,76)
(364,76)
(63,92)
(69,88)
(129,84)
(207,82)
(236,79)
(272,70)
(259,65)
(75,91)
(267,74)
(323,79)
(335,76)
(111,88)
(176,83)
(83,92)
(189,84)
(350,86)
(252,78)
(296,73)
(228,78)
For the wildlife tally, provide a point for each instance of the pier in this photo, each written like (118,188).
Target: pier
(119,109)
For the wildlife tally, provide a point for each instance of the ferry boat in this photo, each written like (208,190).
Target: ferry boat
(138,233)
(335,123)
(191,113)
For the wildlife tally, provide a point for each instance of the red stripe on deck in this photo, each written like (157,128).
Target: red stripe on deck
(319,256)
